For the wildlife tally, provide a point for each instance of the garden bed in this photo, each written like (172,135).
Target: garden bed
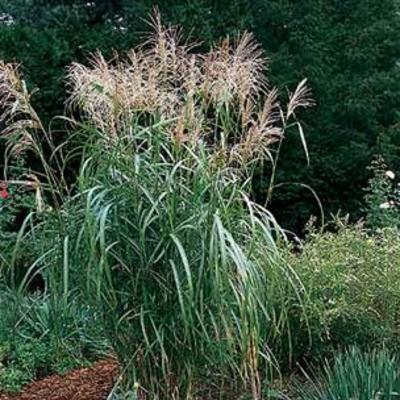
(94,383)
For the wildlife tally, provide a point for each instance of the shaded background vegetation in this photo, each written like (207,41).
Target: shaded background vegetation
(347,50)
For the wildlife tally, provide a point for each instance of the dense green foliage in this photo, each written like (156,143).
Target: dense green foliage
(352,283)
(347,50)
(41,334)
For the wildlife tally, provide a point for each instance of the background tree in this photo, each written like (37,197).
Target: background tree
(347,50)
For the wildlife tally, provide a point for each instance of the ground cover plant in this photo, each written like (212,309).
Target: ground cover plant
(41,334)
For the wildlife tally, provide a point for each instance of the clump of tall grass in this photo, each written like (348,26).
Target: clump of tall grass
(161,234)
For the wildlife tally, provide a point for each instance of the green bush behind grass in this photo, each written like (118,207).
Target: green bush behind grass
(351,281)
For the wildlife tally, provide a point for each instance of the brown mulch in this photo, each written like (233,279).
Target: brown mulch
(94,383)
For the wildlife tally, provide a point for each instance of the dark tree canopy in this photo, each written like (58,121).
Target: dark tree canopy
(348,50)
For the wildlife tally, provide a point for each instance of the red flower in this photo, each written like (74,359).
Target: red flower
(4,194)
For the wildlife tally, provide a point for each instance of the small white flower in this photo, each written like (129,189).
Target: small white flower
(390,174)
(6,19)
(385,205)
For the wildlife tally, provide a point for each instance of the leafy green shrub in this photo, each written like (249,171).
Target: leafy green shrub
(351,280)
(17,200)
(356,375)
(23,363)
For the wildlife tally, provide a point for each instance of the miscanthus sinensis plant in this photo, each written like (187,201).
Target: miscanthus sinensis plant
(160,232)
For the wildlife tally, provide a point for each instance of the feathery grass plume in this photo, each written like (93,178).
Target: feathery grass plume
(262,132)
(220,98)
(234,72)
(23,131)
(17,114)
(299,99)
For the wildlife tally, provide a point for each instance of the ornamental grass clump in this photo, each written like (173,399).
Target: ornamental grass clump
(356,375)
(161,233)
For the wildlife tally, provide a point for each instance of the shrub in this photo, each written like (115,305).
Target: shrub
(351,281)
(17,201)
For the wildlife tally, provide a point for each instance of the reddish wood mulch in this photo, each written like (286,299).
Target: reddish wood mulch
(94,383)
